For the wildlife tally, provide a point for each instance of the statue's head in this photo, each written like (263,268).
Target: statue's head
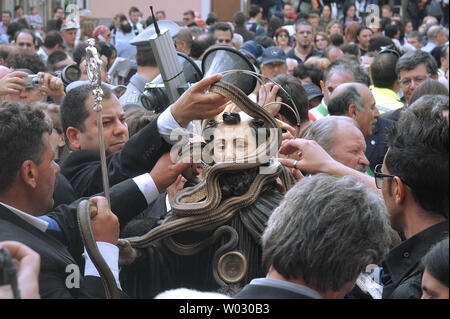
(232,139)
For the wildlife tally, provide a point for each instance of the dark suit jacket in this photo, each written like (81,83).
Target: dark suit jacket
(376,144)
(63,193)
(393,115)
(54,259)
(138,156)
(267,292)
(61,245)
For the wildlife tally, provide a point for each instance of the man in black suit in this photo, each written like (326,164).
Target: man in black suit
(28,179)
(27,172)
(316,246)
(127,158)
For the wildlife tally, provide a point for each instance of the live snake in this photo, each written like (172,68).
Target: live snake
(201,206)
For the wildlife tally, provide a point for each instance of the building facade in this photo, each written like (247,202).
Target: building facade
(105,10)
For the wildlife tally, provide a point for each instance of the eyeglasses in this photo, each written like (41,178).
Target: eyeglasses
(320,39)
(283,35)
(305,32)
(418,79)
(379,176)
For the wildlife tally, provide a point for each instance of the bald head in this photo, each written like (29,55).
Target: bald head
(332,53)
(438,35)
(344,87)
(356,101)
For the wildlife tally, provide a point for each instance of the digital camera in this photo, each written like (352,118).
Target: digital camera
(32,81)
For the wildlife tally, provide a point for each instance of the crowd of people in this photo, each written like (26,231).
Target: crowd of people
(356,207)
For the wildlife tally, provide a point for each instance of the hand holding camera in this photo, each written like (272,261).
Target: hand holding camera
(51,85)
(13,83)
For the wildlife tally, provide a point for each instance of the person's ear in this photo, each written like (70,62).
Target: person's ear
(399,190)
(352,111)
(61,141)
(322,86)
(29,173)
(74,137)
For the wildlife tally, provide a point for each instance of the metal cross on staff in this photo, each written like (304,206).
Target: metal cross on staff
(93,69)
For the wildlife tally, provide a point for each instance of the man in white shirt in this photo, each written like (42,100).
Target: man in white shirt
(437,35)
(6,19)
(53,42)
(133,18)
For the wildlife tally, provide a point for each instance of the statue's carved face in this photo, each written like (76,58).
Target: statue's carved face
(233,142)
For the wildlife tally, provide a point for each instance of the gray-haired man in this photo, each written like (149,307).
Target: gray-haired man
(316,246)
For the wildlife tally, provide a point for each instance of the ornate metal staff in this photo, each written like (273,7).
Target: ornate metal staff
(93,69)
(86,211)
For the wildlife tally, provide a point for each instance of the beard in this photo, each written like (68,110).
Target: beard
(237,183)
(305,46)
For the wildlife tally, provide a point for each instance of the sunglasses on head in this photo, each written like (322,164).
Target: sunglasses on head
(389,50)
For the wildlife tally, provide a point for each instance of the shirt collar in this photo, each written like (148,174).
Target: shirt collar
(32,220)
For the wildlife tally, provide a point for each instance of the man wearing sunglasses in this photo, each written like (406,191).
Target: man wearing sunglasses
(414,182)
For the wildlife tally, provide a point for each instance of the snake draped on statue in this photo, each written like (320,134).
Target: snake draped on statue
(211,239)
